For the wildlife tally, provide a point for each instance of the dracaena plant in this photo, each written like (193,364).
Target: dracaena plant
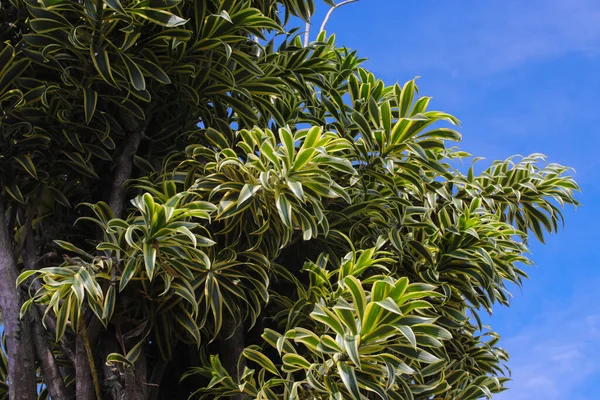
(196,202)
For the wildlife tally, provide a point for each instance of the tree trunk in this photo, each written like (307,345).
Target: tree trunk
(84,385)
(52,376)
(19,346)
(230,351)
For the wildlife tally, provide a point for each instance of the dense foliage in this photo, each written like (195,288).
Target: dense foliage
(186,178)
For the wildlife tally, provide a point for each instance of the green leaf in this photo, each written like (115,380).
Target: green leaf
(116,358)
(261,360)
(149,259)
(135,73)
(70,247)
(295,361)
(128,272)
(115,5)
(284,208)
(153,70)
(27,165)
(25,275)
(102,64)
(12,71)
(160,17)
(349,379)
(15,193)
(90,99)
(296,188)
(7,55)
(247,192)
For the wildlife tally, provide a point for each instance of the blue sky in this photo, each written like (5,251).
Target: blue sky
(523,77)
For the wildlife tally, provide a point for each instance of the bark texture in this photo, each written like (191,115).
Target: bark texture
(19,346)
(52,376)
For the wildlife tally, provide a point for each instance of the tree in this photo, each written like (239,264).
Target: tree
(190,192)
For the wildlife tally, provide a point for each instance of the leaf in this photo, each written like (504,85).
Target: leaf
(109,303)
(115,5)
(90,99)
(135,352)
(102,64)
(160,17)
(153,70)
(12,72)
(149,259)
(62,318)
(284,208)
(349,379)
(7,55)
(25,275)
(72,248)
(261,360)
(358,294)
(408,333)
(15,193)
(296,188)
(116,358)
(223,14)
(135,73)
(247,192)
(128,272)
(296,361)
(27,165)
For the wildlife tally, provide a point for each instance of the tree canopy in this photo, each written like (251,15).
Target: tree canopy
(197,203)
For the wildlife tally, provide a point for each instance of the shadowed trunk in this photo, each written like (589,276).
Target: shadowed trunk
(83,375)
(19,346)
(230,351)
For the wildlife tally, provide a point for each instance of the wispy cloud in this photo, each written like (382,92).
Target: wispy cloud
(557,352)
(476,37)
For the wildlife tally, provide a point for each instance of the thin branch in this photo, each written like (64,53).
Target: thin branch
(343,3)
(307,34)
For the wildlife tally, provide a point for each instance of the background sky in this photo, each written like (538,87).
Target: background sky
(523,77)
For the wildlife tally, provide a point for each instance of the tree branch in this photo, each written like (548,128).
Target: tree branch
(52,377)
(134,130)
(123,171)
(343,3)
(19,345)
(307,34)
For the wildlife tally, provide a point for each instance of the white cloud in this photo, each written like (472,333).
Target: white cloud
(558,352)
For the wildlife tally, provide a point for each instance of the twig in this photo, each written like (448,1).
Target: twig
(343,3)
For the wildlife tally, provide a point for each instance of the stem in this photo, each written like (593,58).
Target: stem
(307,34)
(343,3)
(19,345)
(90,357)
